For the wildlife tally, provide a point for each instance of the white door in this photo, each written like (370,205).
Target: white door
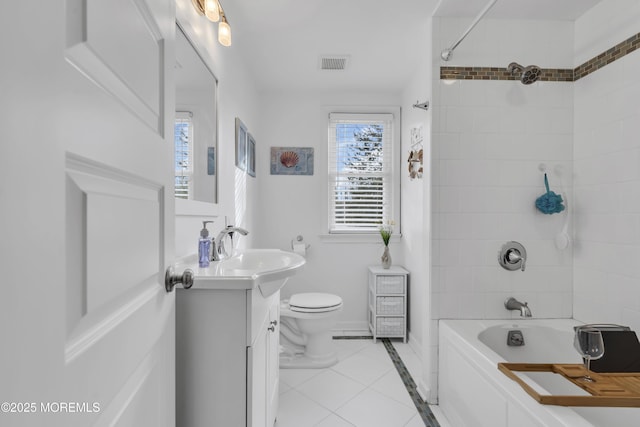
(86,214)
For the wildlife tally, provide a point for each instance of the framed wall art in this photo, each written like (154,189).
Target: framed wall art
(211,160)
(291,161)
(241,145)
(251,155)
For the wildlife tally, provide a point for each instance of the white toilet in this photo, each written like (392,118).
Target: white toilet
(306,320)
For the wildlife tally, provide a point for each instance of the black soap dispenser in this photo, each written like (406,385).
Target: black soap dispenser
(204,246)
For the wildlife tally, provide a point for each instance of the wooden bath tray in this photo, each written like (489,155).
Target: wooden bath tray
(608,389)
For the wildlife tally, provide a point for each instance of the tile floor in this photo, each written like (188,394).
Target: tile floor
(363,389)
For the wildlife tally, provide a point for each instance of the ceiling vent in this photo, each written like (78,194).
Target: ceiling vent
(333,62)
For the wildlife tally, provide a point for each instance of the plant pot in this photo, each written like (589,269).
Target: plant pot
(386,258)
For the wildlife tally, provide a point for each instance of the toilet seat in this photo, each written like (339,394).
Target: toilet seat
(313,302)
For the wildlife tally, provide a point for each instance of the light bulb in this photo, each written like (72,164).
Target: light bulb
(224,33)
(211,10)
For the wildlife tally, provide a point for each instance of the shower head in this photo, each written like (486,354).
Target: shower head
(528,74)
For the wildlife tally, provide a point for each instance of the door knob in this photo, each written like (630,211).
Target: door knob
(171,279)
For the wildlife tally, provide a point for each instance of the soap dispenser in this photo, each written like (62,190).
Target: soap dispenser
(204,246)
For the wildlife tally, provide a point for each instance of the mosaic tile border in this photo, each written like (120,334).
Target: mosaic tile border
(548,74)
(607,57)
(427,416)
(423,408)
(496,73)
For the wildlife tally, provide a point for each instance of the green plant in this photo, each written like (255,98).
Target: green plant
(386,231)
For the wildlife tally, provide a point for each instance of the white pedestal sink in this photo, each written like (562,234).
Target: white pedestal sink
(266,269)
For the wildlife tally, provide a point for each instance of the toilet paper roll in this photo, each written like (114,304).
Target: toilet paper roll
(300,249)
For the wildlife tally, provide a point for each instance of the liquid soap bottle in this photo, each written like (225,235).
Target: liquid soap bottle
(204,246)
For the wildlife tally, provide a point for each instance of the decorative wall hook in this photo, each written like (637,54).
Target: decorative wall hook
(415,163)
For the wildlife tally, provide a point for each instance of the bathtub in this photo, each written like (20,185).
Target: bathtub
(473,392)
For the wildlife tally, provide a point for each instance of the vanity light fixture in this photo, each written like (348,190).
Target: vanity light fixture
(213,10)
(224,30)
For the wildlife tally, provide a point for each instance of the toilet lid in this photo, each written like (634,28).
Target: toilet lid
(309,302)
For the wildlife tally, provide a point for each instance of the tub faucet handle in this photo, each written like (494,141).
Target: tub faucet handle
(512,256)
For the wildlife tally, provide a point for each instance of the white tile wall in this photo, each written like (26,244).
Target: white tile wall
(606,24)
(493,42)
(488,140)
(607,188)
(489,149)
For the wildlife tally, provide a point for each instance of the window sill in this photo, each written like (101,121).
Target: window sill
(371,238)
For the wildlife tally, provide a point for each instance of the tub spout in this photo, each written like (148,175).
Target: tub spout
(514,304)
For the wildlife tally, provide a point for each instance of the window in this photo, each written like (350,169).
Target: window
(183,143)
(363,187)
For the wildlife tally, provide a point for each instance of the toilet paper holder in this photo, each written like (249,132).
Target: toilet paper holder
(300,240)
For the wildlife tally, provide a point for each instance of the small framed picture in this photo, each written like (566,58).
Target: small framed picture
(291,160)
(241,145)
(251,155)
(211,160)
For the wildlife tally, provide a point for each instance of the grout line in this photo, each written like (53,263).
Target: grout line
(423,408)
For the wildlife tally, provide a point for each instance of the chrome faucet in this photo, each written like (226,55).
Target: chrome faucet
(514,304)
(218,250)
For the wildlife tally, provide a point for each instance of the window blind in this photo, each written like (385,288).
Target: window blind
(183,144)
(360,172)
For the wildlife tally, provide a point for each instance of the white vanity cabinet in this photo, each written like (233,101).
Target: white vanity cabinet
(227,345)
(263,377)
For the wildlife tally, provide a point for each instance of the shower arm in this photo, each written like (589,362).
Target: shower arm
(447,53)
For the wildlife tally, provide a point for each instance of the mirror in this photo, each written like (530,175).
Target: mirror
(196,126)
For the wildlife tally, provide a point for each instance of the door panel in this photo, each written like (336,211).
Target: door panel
(143,390)
(118,44)
(87,171)
(119,210)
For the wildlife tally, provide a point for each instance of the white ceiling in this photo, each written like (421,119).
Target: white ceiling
(554,10)
(282,40)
